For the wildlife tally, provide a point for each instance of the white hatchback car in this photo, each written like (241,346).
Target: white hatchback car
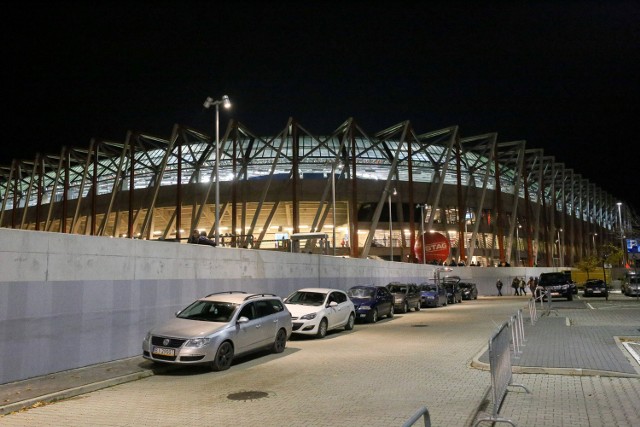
(315,311)
(218,327)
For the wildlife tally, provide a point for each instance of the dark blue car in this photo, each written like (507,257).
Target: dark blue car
(432,295)
(371,302)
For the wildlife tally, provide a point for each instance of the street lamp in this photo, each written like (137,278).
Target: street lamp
(227,104)
(560,261)
(334,168)
(621,231)
(518,245)
(424,252)
(593,238)
(391,223)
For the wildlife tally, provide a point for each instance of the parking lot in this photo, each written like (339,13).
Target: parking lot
(375,375)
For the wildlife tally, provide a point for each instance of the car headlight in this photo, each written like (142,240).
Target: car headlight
(197,342)
(309,316)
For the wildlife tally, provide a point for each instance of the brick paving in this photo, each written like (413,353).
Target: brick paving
(379,375)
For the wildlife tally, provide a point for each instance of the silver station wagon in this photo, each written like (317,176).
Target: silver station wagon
(218,327)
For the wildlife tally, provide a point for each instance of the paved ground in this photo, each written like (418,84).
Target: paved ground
(375,375)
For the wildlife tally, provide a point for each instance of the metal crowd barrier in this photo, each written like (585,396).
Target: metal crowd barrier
(420,413)
(533,313)
(542,294)
(517,333)
(500,368)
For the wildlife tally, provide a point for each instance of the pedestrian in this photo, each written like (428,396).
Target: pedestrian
(532,285)
(515,284)
(523,287)
(204,240)
(499,286)
(195,235)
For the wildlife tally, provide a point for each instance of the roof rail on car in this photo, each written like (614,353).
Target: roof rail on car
(226,292)
(260,295)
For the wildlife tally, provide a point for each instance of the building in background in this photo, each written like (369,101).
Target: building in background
(374,194)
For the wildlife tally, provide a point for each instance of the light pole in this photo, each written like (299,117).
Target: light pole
(560,261)
(621,232)
(334,168)
(424,251)
(518,244)
(227,104)
(391,224)
(593,238)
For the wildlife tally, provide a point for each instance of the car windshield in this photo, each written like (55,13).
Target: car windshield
(634,281)
(209,311)
(428,288)
(306,298)
(552,279)
(394,289)
(360,293)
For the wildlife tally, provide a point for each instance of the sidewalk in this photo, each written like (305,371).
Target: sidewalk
(61,385)
(575,341)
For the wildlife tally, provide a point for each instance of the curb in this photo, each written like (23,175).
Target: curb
(515,369)
(72,392)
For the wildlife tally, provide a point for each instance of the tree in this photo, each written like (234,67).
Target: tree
(589,264)
(611,254)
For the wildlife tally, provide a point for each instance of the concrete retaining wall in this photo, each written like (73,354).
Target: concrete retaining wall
(68,301)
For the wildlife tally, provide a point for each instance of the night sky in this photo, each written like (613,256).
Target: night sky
(562,75)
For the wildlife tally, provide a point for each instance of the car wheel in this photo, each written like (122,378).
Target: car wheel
(280,342)
(374,316)
(391,312)
(418,306)
(224,357)
(350,322)
(322,329)
(405,307)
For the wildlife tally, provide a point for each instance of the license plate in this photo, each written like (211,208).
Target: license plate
(596,292)
(363,315)
(164,351)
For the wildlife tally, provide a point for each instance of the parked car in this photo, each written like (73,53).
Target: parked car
(631,285)
(452,289)
(405,296)
(432,295)
(371,302)
(218,327)
(315,311)
(595,288)
(558,284)
(468,290)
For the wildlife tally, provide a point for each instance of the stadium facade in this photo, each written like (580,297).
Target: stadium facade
(378,194)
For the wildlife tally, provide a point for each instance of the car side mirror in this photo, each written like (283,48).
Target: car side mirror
(332,304)
(243,319)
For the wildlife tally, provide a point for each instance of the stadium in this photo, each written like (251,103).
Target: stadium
(395,194)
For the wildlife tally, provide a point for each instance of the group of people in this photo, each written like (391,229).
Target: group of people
(519,285)
(200,238)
